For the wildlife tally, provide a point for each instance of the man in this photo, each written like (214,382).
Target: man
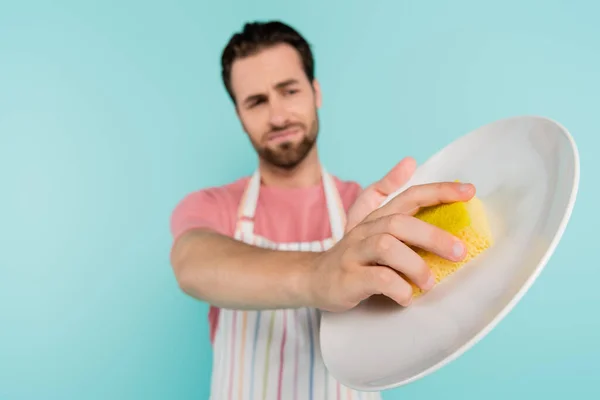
(270,251)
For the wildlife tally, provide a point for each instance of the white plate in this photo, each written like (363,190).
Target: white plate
(526,171)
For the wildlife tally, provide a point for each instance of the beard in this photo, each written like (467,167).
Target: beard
(287,155)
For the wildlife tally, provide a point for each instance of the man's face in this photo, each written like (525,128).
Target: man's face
(277,104)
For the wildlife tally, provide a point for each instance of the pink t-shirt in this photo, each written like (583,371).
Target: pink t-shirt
(282,214)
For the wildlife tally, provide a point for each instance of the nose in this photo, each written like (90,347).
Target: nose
(277,113)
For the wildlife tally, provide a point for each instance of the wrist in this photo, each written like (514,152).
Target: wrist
(304,278)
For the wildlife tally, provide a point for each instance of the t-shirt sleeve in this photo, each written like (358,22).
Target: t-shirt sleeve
(201,209)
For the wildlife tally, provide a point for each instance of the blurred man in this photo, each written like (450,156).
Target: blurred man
(268,252)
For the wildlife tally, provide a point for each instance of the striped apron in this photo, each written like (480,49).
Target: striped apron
(275,354)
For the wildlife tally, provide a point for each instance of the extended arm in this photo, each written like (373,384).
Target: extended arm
(231,274)
(372,258)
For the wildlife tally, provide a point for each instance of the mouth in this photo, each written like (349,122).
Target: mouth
(283,136)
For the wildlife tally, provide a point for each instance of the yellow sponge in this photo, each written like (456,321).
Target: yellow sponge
(468,222)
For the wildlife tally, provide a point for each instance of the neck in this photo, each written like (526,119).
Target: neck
(307,173)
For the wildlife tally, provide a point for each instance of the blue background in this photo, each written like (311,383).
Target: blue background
(111,112)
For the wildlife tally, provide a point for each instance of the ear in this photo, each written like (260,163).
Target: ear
(317,90)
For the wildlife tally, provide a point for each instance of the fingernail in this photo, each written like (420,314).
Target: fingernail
(458,249)
(430,282)
(464,187)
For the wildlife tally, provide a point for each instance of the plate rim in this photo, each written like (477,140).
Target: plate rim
(525,287)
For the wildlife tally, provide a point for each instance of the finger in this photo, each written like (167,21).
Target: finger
(416,197)
(384,249)
(396,177)
(417,233)
(385,281)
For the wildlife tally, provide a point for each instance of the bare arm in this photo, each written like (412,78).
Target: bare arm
(231,274)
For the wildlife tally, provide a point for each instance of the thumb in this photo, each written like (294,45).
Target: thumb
(396,177)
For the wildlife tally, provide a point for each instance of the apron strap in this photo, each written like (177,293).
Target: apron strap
(247,208)
(335,207)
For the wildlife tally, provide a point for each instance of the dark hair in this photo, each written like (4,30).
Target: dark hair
(256,36)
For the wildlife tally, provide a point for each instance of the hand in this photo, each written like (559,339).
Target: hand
(376,193)
(372,256)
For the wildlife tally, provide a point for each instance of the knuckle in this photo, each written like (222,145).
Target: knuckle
(383,276)
(396,222)
(422,272)
(382,244)
(360,231)
(449,190)
(412,191)
(417,195)
(440,240)
(393,223)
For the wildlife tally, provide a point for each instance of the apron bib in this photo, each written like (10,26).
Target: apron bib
(275,354)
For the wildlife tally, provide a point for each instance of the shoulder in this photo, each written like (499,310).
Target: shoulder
(211,207)
(229,192)
(349,190)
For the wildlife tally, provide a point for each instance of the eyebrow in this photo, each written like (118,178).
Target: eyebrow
(286,83)
(279,85)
